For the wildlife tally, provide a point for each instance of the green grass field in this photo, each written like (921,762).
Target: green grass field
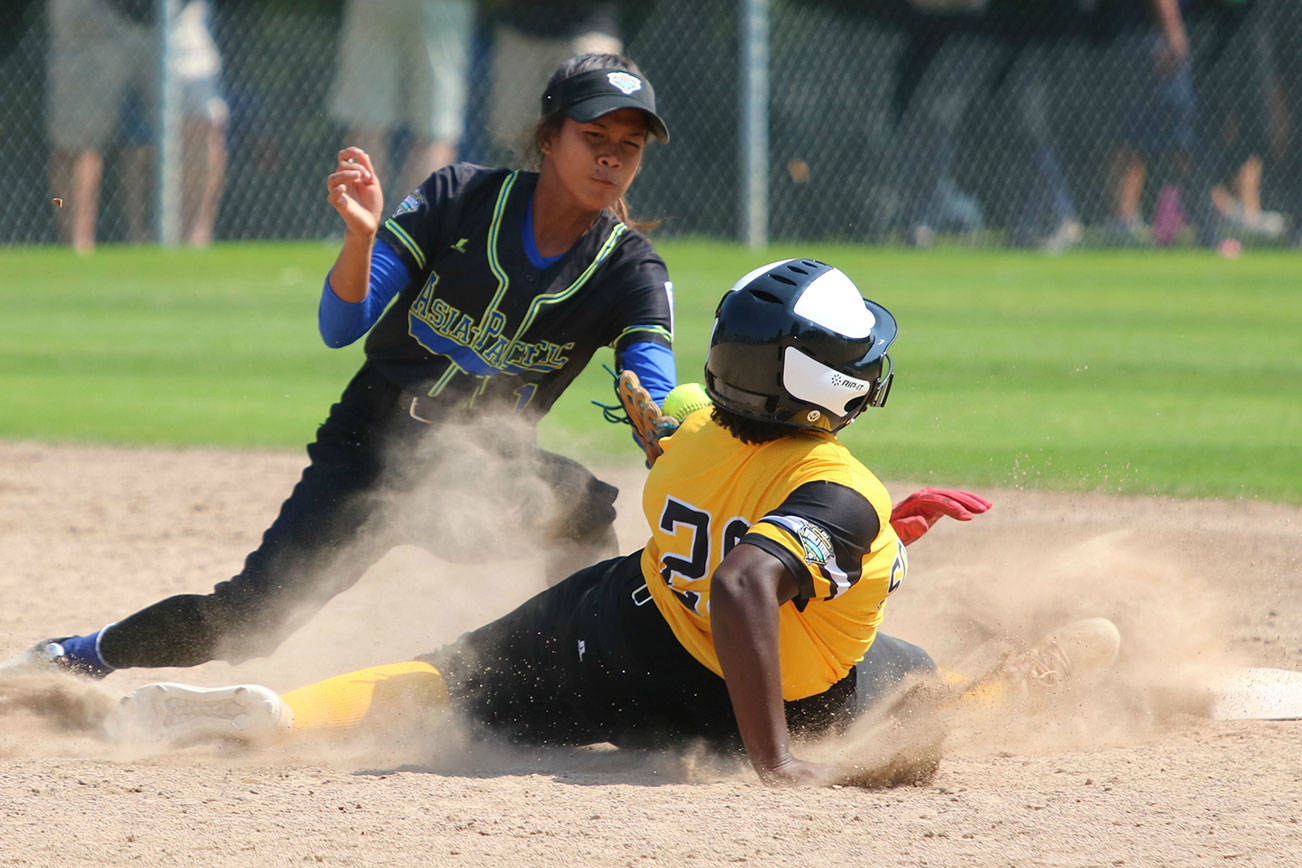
(1169,372)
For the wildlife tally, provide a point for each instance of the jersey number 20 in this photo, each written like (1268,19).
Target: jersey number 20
(694,566)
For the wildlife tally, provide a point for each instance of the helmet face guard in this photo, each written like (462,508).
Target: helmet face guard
(794,343)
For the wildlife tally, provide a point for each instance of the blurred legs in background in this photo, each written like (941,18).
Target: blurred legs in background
(932,93)
(196,66)
(75,177)
(951,147)
(1047,218)
(1127,171)
(103,76)
(1241,117)
(1155,126)
(402,71)
(96,54)
(203,155)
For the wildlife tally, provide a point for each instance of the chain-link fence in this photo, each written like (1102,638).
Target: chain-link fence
(1026,122)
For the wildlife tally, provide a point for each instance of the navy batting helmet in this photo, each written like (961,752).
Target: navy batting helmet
(795,343)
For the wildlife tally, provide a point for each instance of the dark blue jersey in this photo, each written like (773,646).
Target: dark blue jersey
(480,323)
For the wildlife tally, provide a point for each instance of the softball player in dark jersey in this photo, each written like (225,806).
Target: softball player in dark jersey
(485,293)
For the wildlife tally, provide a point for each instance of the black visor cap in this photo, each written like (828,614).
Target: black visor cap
(590,95)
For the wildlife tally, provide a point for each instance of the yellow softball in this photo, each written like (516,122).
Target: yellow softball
(684,400)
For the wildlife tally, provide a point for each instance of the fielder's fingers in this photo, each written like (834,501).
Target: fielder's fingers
(339,198)
(357,169)
(344,176)
(356,155)
(362,169)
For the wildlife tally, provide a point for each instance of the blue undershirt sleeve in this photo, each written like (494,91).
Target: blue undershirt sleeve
(342,322)
(654,365)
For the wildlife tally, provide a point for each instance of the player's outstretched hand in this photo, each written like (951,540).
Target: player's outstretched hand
(355,193)
(914,515)
(794,772)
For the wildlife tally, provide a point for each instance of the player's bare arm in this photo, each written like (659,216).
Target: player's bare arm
(745,593)
(354,191)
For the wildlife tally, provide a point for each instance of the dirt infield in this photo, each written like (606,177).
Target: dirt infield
(1126,773)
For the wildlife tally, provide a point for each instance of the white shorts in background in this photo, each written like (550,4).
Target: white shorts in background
(403,63)
(521,66)
(98,56)
(95,56)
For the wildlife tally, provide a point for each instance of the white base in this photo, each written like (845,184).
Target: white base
(1257,694)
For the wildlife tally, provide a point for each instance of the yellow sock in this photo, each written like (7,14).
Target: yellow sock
(986,691)
(393,694)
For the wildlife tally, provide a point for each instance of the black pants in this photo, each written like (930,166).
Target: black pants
(593,660)
(377,478)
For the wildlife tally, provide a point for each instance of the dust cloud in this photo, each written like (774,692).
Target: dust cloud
(442,552)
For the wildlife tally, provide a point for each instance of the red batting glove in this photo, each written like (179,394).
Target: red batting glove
(914,515)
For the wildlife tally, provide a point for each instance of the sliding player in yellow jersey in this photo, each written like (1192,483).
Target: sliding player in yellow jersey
(752,611)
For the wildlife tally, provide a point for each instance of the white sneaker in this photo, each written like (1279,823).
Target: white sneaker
(1264,224)
(1079,651)
(41,658)
(170,713)
(1068,234)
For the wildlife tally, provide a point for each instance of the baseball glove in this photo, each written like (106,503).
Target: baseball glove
(649,424)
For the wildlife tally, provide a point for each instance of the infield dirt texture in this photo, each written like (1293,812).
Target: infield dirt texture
(1117,775)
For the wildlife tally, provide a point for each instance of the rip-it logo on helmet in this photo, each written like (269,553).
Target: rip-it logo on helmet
(795,343)
(809,379)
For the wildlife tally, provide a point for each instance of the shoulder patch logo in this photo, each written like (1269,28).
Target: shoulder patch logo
(816,542)
(624,82)
(411,203)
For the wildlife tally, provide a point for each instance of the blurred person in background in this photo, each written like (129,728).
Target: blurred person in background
(1032,36)
(205,117)
(1238,89)
(103,82)
(1286,33)
(98,50)
(938,75)
(1149,61)
(530,39)
(402,69)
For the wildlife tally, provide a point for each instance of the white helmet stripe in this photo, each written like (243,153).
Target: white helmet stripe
(833,301)
(807,379)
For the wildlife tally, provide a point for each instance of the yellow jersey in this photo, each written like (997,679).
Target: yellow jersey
(804,499)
